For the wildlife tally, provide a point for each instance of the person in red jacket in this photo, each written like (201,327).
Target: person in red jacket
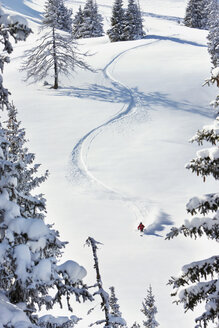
(141,227)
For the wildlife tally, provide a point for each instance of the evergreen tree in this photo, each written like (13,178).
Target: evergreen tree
(92,21)
(114,308)
(54,51)
(57,15)
(65,20)
(135,325)
(211,8)
(139,22)
(133,27)
(78,24)
(196,14)
(19,155)
(149,309)
(199,281)
(116,32)
(98,28)
(213,36)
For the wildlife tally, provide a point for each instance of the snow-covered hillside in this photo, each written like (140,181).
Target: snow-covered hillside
(116,143)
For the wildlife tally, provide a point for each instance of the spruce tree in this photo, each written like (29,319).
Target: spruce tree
(27,179)
(98,28)
(116,32)
(92,21)
(133,27)
(114,309)
(78,24)
(139,22)
(54,51)
(57,15)
(213,36)
(149,309)
(196,14)
(211,8)
(199,281)
(135,325)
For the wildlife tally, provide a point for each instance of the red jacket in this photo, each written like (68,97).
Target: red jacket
(141,227)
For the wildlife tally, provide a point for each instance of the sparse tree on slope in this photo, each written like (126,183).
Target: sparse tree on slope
(149,309)
(112,318)
(199,282)
(54,51)
(116,32)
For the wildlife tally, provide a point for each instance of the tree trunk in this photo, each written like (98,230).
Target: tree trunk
(105,301)
(55,60)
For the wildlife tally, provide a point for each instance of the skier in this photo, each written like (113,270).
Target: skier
(141,227)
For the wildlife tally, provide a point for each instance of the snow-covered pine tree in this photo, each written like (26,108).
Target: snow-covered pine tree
(57,15)
(112,315)
(65,20)
(27,179)
(196,14)
(116,32)
(139,22)
(54,51)
(98,29)
(210,7)
(92,20)
(133,27)
(135,325)
(114,308)
(213,36)
(131,15)
(29,248)
(149,309)
(78,24)
(199,281)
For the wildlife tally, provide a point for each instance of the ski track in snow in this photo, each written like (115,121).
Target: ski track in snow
(79,170)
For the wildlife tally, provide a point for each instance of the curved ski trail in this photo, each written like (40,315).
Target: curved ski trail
(79,169)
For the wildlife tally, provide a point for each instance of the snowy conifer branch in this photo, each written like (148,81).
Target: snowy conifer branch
(197,228)
(15,27)
(203,204)
(205,164)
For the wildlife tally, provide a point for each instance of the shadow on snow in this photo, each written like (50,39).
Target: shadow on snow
(175,39)
(21,8)
(121,95)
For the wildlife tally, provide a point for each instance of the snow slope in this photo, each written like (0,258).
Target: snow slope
(116,143)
